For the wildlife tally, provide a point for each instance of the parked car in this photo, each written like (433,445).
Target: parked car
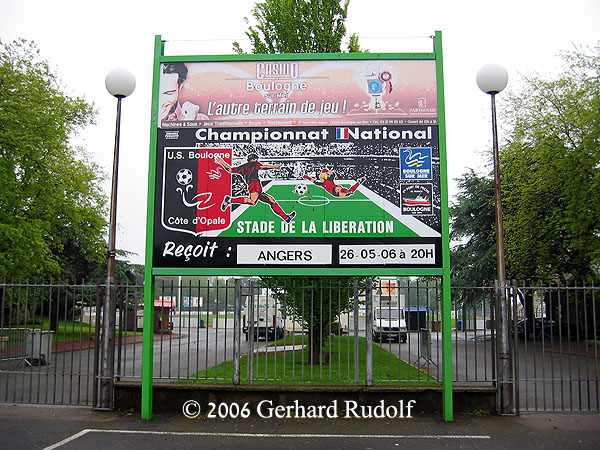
(548,328)
(268,320)
(389,325)
(267,331)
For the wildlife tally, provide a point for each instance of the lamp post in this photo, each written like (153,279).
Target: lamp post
(492,79)
(119,83)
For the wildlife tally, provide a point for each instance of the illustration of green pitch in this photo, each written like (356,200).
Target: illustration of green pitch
(319,214)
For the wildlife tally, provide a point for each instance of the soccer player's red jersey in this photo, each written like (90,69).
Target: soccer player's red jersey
(249,171)
(335,189)
(329,186)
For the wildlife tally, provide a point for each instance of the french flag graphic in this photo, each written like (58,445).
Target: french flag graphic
(341,133)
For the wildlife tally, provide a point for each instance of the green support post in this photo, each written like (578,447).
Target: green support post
(148,342)
(448,408)
(147,354)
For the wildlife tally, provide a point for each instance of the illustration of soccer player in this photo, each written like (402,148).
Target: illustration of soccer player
(249,172)
(327,181)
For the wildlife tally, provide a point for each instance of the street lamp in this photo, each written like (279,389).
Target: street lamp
(492,79)
(120,83)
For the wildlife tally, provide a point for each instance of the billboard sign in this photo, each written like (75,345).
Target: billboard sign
(297,163)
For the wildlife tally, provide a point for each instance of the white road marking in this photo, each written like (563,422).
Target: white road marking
(67,440)
(269,435)
(282,348)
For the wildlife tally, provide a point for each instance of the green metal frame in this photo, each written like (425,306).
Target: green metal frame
(298,271)
(150,272)
(448,409)
(298,57)
(148,330)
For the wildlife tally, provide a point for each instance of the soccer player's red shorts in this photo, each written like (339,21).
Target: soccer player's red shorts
(254,186)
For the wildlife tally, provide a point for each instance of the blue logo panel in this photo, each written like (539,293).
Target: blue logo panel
(415,163)
(374,86)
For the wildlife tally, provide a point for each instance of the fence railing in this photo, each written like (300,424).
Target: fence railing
(322,333)
(556,346)
(49,335)
(330,332)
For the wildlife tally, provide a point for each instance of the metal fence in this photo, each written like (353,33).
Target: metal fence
(345,332)
(383,331)
(556,350)
(554,336)
(474,335)
(49,335)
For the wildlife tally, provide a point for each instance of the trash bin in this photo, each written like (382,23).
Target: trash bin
(131,321)
(425,343)
(163,308)
(39,347)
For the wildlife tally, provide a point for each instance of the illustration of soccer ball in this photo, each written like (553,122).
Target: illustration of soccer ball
(300,189)
(184,177)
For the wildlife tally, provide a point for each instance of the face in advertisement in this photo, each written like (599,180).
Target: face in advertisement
(169,93)
(172,79)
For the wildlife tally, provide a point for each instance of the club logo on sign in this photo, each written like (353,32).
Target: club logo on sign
(415,163)
(194,187)
(417,199)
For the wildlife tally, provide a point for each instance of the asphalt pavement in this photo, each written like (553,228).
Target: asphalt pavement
(68,428)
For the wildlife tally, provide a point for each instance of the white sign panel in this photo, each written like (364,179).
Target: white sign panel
(284,254)
(396,254)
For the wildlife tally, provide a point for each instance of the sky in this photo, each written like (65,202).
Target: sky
(84,40)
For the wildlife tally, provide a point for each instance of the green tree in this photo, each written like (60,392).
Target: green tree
(550,173)
(299,26)
(52,208)
(473,231)
(317,304)
(550,183)
(305,26)
(550,187)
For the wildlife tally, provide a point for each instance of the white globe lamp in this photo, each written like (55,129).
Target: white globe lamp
(120,82)
(492,78)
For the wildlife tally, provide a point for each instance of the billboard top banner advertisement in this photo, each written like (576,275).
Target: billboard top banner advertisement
(296,93)
(297,164)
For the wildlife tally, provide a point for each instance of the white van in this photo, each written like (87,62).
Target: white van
(389,324)
(268,322)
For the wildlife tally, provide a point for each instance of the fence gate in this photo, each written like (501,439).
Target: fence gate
(327,332)
(48,340)
(557,352)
